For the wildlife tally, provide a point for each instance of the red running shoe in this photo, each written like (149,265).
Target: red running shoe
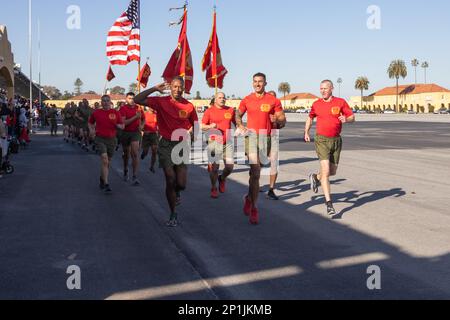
(247,206)
(214,193)
(254,217)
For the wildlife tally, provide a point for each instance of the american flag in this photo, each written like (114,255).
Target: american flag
(123,44)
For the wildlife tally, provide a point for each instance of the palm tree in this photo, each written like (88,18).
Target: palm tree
(415,63)
(78,84)
(396,70)
(362,83)
(425,66)
(339,81)
(284,88)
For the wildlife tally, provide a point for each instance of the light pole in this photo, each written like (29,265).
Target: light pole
(30,52)
(339,81)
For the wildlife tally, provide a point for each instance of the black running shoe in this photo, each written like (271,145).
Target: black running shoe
(172,223)
(272,196)
(102,184)
(330,209)
(126,177)
(107,189)
(314,183)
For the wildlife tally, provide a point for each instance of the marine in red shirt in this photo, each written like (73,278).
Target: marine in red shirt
(133,118)
(150,139)
(176,119)
(263,111)
(331,114)
(173,115)
(103,125)
(217,122)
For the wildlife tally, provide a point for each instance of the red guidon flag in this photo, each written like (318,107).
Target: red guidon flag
(144,75)
(110,74)
(180,64)
(123,44)
(212,60)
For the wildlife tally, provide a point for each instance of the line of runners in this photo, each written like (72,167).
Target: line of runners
(157,127)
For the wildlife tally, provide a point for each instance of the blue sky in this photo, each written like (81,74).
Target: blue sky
(301,42)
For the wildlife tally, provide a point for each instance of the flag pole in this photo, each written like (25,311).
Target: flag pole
(139,73)
(215,52)
(30,50)
(139,62)
(39,61)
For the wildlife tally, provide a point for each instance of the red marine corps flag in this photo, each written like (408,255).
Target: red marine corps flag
(110,74)
(180,64)
(144,75)
(215,71)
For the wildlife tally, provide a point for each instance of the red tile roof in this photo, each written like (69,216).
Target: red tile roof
(410,89)
(299,96)
(89,97)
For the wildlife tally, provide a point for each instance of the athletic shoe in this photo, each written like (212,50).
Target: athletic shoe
(254,216)
(135,182)
(152,170)
(126,177)
(214,193)
(314,182)
(222,184)
(330,209)
(102,184)
(247,206)
(272,196)
(107,189)
(172,223)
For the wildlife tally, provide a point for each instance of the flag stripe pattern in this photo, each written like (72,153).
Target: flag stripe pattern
(123,44)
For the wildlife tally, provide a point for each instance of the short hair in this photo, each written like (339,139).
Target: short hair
(260,74)
(106,96)
(213,102)
(131,94)
(328,81)
(178,78)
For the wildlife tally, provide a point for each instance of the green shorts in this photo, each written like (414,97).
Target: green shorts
(328,148)
(78,124)
(106,146)
(165,149)
(150,139)
(128,137)
(218,151)
(69,122)
(257,145)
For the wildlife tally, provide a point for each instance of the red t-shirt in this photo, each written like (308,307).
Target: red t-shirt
(259,110)
(129,112)
(172,115)
(327,114)
(151,122)
(106,122)
(223,118)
